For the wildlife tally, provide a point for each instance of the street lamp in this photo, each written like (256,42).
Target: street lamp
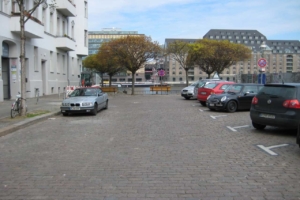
(262,62)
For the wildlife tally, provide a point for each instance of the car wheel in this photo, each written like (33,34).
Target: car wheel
(231,106)
(203,103)
(298,135)
(65,114)
(187,98)
(95,110)
(106,104)
(258,126)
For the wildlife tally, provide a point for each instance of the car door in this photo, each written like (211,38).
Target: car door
(246,96)
(100,98)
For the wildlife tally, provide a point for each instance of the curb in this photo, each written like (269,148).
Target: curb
(27,122)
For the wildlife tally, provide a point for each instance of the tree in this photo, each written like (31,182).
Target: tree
(25,15)
(109,61)
(133,52)
(92,62)
(215,56)
(178,50)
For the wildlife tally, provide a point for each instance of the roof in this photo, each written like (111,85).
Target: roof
(284,84)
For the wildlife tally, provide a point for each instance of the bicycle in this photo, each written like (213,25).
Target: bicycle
(37,94)
(15,108)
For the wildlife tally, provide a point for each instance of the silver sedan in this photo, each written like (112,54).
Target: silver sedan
(85,100)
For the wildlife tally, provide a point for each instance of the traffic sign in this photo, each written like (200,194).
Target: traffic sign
(262,62)
(161,72)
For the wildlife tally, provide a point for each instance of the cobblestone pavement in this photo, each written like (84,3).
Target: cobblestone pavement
(150,147)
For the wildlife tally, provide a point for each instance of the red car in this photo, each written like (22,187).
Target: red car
(217,87)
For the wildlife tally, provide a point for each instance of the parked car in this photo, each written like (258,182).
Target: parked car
(85,100)
(188,92)
(276,105)
(235,97)
(202,83)
(215,87)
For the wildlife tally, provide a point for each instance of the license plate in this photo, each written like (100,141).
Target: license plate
(211,104)
(75,108)
(267,116)
(184,92)
(203,92)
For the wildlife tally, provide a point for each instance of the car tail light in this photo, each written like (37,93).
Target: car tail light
(255,100)
(294,103)
(212,92)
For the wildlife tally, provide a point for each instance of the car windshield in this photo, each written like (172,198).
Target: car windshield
(84,92)
(194,84)
(233,89)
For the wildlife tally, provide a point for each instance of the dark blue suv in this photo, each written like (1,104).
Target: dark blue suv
(277,105)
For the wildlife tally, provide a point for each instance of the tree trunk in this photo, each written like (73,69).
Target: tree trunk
(132,87)
(110,77)
(22,58)
(208,76)
(101,79)
(187,76)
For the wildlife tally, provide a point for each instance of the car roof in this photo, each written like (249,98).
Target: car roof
(248,84)
(88,88)
(283,84)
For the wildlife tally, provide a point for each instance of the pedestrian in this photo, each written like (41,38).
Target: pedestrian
(82,82)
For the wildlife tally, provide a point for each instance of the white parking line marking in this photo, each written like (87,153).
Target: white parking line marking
(234,128)
(203,110)
(267,149)
(215,117)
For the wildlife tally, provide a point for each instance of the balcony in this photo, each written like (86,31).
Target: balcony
(65,43)
(33,27)
(66,8)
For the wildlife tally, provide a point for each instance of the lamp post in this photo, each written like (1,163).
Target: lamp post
(262,63)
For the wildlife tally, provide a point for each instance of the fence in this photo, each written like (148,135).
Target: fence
(272,78)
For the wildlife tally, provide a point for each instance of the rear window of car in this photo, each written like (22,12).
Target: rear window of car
(285,92)
(211,85)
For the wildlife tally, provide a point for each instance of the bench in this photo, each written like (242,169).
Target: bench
(109,89)
(164,88)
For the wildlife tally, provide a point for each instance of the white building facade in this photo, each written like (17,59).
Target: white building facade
(56,41)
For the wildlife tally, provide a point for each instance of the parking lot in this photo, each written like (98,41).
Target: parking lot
(150,147)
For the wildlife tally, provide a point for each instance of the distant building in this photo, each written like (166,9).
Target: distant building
(283,56)
(56,41)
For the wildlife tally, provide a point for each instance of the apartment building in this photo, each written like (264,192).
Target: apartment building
(283,56)
(56,41)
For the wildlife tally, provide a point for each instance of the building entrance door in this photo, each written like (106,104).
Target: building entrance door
(5,78)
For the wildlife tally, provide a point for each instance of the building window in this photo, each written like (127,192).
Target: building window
(51,61)
(51,23)
(58,27)
(217,37)
(58,63)
(85,38)
(63,64)
(36,59)
(180,79)
(211,37)
(85,9)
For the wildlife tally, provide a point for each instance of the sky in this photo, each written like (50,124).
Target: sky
(192,19)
